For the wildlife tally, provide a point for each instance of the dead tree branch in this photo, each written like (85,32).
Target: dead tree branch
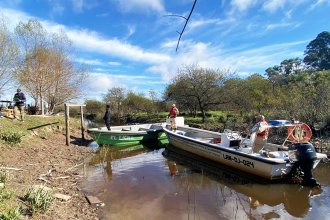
(184,27)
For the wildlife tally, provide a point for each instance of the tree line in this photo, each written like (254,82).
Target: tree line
(41,63)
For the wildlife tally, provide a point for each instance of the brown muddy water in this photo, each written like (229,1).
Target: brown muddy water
(141,183)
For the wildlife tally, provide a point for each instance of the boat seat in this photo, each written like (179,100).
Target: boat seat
(126,129)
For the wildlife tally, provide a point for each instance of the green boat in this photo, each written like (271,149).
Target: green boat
(128,134)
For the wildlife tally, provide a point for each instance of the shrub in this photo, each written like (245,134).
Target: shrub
(11,214)
(5,195)
(4,176)
(39,199)
(11,137)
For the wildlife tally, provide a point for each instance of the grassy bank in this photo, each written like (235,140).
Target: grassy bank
(15,132)
(33,153)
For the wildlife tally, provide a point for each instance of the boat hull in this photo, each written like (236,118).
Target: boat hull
(263,167)
(126,135)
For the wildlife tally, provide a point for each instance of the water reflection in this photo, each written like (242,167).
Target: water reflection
(294,198)
(138,182)
(107,155)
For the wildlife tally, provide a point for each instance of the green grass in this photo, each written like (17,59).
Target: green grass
(11,214)
(39,200)
(4,175)
(12,132)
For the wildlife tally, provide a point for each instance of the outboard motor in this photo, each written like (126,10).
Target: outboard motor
(305,156)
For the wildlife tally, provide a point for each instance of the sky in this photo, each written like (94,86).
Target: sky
(132,43)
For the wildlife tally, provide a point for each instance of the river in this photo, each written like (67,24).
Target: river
(154,183)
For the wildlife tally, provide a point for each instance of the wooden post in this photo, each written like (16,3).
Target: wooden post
(82,122)
(67,129)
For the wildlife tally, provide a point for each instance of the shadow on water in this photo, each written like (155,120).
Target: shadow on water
(294,198)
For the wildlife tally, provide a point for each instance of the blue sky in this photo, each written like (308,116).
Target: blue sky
(131,43)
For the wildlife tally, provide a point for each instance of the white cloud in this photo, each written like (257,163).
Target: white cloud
(99,83)
(203,22)
(242,61)
(90,61)
(91,41)
(131,31)
(282,25)
(140,5)
(114,63)
(319,3)
(273,5)
(243,5)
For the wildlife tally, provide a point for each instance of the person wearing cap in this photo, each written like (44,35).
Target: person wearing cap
(261,130)
(172,115)
(106,117)
(19,99)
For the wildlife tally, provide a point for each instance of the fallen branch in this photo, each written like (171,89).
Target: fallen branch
(10,168)
(48,173)
(73,167)
(62,177)
(43,179)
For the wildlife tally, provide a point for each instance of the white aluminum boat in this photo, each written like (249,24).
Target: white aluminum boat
(275,161)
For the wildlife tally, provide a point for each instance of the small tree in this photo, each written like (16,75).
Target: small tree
(198,87)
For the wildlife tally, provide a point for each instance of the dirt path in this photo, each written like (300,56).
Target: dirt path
(48,161)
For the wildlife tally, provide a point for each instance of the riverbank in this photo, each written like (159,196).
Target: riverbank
(42,158)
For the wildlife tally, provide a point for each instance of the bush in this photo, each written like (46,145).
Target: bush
(11,214)
(4,176)
(5,194)
(11,137)
(39,200)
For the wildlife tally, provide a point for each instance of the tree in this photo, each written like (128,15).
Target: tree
(32,74)
(8,56)
(137,103)
(317,53)
(199,87)
(47,72)
(95,107)
(66,79)
(280,75)
(258,93)
(310,96)
(115,98)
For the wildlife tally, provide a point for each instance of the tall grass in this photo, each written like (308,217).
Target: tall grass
(39,199)
(11,214)
(4,175)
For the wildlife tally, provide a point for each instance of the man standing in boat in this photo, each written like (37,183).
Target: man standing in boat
(173,113)
(106,117)
(261,131)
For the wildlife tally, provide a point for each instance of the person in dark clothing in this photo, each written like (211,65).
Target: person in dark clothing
(106,117)
(19,99)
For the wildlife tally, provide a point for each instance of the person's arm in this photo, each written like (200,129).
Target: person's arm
(23,98)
